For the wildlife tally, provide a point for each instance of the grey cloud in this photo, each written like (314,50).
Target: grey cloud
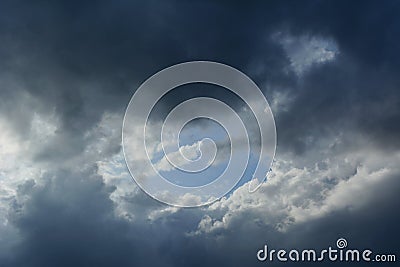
(71,220)
(80,62)
(73,223)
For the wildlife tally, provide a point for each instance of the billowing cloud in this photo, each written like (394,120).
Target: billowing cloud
(68,71)
(305,51)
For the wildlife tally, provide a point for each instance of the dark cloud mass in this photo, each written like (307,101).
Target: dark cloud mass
(68,69)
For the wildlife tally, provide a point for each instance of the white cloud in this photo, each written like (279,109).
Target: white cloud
(297,195)
(293,194)
(16,167)
(304,51)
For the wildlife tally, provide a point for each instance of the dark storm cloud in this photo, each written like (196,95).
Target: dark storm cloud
(357,92)
(70,221)
(76,60)
(80,60)
(84,59)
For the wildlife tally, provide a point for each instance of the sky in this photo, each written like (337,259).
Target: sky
(329,70)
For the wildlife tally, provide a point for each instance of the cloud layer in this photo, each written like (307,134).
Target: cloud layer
(329,70)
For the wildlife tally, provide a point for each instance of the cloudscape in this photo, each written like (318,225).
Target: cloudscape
(329,70)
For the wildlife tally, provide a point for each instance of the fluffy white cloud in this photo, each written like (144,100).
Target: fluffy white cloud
(306,50)
(296,195)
